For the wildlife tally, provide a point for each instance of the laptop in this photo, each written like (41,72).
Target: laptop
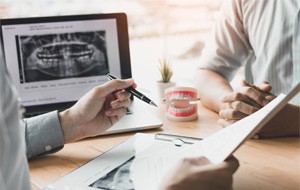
(53,61)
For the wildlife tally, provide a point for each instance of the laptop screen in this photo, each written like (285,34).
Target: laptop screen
(58,59)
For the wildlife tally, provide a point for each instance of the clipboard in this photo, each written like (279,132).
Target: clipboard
(177,140)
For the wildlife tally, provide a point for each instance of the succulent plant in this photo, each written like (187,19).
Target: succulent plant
(165,69)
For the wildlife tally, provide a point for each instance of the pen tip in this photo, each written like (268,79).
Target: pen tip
(153,104)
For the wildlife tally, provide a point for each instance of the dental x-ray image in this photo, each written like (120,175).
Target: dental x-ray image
(60,56)
(117,179)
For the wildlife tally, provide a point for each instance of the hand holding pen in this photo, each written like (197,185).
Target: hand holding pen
(134,92)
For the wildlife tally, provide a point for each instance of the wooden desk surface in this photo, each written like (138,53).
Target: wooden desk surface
(264,164)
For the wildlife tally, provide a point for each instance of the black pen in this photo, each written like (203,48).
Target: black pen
(134,92)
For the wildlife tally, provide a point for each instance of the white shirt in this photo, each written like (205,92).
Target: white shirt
(13,162)
(42,135)
(263,35)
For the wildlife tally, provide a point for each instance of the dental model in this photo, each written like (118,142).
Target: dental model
(181,103)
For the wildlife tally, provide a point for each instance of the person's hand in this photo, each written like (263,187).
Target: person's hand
(199,173)
(96,111)
(243,102)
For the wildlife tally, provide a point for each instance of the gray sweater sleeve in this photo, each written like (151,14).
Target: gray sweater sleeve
(43,134)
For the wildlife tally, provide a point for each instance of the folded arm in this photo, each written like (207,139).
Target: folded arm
(232,105)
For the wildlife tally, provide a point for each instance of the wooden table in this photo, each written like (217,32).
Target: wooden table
(264,164)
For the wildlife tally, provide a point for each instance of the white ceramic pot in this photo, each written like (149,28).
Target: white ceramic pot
(161,87)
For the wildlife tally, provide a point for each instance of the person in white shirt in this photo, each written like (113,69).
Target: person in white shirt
(264,37)
(94,113)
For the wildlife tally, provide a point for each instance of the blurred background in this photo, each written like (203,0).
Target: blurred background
(172,29)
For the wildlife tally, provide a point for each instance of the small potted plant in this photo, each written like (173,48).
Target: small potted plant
(166,73)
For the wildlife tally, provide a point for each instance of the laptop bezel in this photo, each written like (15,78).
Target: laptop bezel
(123,43)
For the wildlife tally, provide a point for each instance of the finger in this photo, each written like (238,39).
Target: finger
(243,107)
(254,94)
(117,104)
(265,86)
(134,85)
(270,97)
(238,96)
(226,105)
(108,99)
(244,83)
(225,123)
(114,118)
(255,136)
(113,86)
(122,95)
(231,164)
(231,114)
(258,93)
(116,112)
